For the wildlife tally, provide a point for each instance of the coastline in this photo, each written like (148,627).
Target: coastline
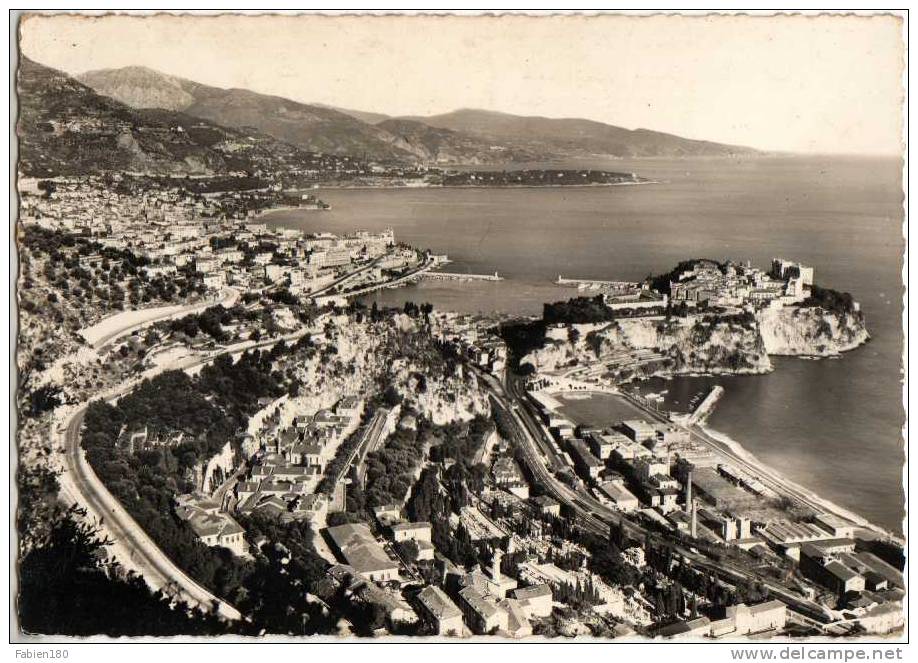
(285,208)
(776,476)
(731,445)
(386,187)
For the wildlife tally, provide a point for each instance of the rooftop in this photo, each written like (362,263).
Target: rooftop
(359,548)
(438,603)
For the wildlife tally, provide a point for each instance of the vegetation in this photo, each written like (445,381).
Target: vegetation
(206,411)
(67,586)
(840,303)
(522,337)
(660,282)
(579,310)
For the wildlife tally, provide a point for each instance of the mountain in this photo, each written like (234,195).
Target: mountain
(311,127)
(445,146)
(553,138)
(66,128)
(463,136)
(363,116)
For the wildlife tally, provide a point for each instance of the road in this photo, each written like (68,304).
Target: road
(597,518)
(342,279)
(157,569)
(132,546)
(404,278)
(134,320)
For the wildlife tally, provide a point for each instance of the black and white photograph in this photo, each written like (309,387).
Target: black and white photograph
(458,327)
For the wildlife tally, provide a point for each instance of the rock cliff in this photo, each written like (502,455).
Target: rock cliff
(811,331)
(740,343)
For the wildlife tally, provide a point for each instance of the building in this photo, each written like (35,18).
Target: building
(350,407)
(603,444)
(588,465)
(518,625)
(696,628)
(619,496)
(836,526)
(638,430)
(547,506)
(355,544)
(438,610)
(411,532)
(788,269)
(482,613)
(214,280)
(829,571)
(212,527)
(536,600)
(646,468)
(743,620)
(419,533)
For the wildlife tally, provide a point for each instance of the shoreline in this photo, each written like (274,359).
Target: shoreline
(389,187)
(286,208)
(761,468)
(826,504)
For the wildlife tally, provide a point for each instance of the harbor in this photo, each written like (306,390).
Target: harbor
(459,276)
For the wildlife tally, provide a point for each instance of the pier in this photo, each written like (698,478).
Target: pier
(457,276)
(594,283)
(704,407)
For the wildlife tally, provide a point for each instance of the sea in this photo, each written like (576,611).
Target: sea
(832,425)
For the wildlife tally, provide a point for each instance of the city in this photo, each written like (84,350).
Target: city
(269,386)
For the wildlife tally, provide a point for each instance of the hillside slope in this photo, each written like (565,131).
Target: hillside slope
(446,146)
(463,136)
(311,127)
(574,137)
(66,128)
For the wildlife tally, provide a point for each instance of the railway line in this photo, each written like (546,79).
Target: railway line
(532,440)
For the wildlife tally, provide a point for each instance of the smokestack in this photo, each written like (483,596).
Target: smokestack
(694,519)
(688,490)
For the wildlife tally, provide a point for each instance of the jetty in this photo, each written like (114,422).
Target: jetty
(704,407)
(594,283)
(459,276)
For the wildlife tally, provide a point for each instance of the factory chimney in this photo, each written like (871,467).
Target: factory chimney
(688,491)
(694,529)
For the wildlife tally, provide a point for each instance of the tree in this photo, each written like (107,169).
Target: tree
(408,550)
(573,335)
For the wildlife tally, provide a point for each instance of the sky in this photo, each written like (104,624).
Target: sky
(819,84)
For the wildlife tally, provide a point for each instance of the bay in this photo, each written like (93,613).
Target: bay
(832,425)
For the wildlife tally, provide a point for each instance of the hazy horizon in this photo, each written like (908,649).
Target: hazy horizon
(847,101)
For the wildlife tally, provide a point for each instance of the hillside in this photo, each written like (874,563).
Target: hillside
(551,137)
(445,146)
(66,128)
(311,127)
(464,136)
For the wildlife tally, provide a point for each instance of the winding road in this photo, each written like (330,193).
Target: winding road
(131,546)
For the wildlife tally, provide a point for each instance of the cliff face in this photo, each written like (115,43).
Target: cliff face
(678,345)
(810,331)
(696,344)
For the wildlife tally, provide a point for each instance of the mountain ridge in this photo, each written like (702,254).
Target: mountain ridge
(66,128)
(476,136)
